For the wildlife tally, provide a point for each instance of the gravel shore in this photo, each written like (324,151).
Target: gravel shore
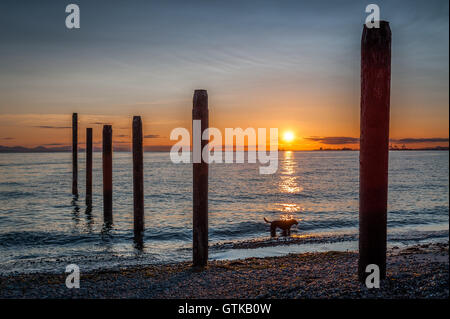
(420,271)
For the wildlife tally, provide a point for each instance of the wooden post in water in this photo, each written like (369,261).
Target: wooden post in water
(88,166)
(374,147)
(75,154)
(200,180)
(107,173)
(138,178)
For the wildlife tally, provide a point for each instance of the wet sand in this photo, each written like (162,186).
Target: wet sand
(420,271)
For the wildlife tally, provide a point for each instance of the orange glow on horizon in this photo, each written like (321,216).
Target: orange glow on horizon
(54,130)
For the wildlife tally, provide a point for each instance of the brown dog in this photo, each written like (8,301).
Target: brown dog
(284,225)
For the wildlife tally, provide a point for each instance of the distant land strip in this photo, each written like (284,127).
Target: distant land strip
(166,148)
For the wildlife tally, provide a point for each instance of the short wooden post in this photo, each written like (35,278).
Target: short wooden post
(107,173)
(88,166)
(138,178)
(75,154)
(374,147)
(200,181)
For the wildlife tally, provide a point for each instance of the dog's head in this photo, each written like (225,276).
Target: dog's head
(293,222)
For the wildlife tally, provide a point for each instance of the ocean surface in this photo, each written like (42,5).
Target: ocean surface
(43,228)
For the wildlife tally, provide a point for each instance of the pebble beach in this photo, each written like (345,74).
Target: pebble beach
(420,271)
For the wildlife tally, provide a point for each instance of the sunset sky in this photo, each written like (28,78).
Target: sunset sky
(294,65)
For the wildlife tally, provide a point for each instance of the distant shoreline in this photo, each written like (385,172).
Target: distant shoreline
(21,150)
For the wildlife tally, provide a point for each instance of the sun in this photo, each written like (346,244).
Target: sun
(288,136)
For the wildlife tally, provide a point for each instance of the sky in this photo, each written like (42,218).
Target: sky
(294,65)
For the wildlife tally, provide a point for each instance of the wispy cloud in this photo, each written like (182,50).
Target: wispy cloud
(334,140)
(52,127)
(339,140)
(411,140)
(100,123)
(7,138)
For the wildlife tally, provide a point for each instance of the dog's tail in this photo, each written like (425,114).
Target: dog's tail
(266,220)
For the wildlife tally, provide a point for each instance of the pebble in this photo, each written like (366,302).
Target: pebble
(308,275)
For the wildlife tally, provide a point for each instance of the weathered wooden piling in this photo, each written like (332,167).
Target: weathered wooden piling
(107,173)
(75,154)
(138,178)
(88,166)
(374,147)
(200,182)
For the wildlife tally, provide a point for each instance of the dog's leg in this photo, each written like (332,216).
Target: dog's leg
(273,231)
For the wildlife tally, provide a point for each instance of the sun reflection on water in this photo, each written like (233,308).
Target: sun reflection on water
(287,217)
(289,208)
(288,182)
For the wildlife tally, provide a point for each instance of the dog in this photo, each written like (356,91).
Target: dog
(284,225)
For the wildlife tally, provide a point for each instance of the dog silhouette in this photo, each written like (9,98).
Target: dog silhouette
(284,225)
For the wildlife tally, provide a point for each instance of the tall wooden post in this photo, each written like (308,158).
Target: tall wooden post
(138,178)
(107,173)
(88,166)
(75,154)
(200,180)
(374,147)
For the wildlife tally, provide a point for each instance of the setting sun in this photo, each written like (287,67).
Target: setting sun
(288,136)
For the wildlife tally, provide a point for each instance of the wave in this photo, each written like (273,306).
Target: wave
(39,239)
(404,237)
(8,195)
(222,231)
(106,259)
